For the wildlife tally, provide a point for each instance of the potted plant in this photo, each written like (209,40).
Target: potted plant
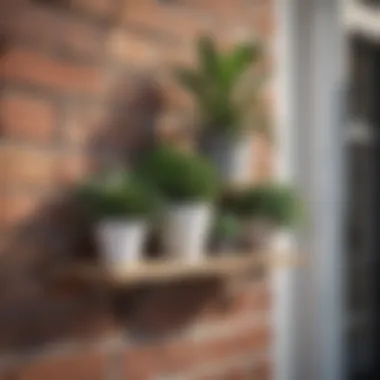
(267,211)
(227,96)
(120,207)
(225,234)
(188,186)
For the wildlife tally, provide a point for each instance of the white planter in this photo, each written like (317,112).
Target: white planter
(233,158)
(281,240)
(121,242)
(257,233)
(265,236)
(185,230)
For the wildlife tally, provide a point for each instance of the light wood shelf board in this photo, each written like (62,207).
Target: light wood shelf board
(176,270)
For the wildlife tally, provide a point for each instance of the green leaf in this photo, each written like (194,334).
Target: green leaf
(208,57)
(244,55)
(179,176)
(214,84)
(227,225)
(238,61)
(191,80)
(277,203)
(118,195)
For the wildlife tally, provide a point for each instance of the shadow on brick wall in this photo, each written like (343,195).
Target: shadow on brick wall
(33,311)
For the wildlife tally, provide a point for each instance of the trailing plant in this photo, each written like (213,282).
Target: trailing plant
(278,204)
(179,176)
(118,195)
(227,97)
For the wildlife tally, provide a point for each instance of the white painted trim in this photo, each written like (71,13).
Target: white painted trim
(283,278)
(309,309)
(327,184)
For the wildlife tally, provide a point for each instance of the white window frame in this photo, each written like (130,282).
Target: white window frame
(362,18)
(309,301)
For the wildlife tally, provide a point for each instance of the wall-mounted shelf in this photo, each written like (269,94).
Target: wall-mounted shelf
(165,271)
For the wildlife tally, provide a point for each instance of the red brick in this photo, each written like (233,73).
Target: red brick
(236,374)
(169,124)
(82,39)
(236,20)
(240,303)
(83,124)
(132,49)
(209,377)
(171,22)
(177,356)
(230,11)
(176,97)
(35,26)
(74,167)
(177,129)
(262,371)
(46,28)
(17,208)
(155,313)
(173,57)
(101,8)
(254,297)
(81,366)
(10,9)
(215,4)
(264,19)
(262,164)
(27,118)
(144,363)
(27,166)
(31,67)
(225,8)
(247,341)
(3,161)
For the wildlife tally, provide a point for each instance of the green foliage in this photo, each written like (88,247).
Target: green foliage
(218,86)
(227,226)
(117,196)
(276,203)
(179,176)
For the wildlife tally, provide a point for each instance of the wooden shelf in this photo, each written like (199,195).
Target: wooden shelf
(166,271)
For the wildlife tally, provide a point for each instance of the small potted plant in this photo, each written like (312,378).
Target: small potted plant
(227,96)
(188,186)
(120,207)
(266,211)
(225,234)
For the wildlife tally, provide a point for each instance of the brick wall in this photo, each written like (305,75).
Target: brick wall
(75,92)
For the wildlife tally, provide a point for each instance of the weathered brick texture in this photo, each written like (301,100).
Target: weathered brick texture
(82,84)
(40,70)
(91,366)
(27,118)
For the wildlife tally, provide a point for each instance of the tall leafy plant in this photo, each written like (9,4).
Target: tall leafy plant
(219,85)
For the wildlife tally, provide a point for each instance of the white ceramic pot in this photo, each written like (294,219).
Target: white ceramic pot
(121,242)
(282,240)
(257,234)
(232,157)
(263,235)
(185,230)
